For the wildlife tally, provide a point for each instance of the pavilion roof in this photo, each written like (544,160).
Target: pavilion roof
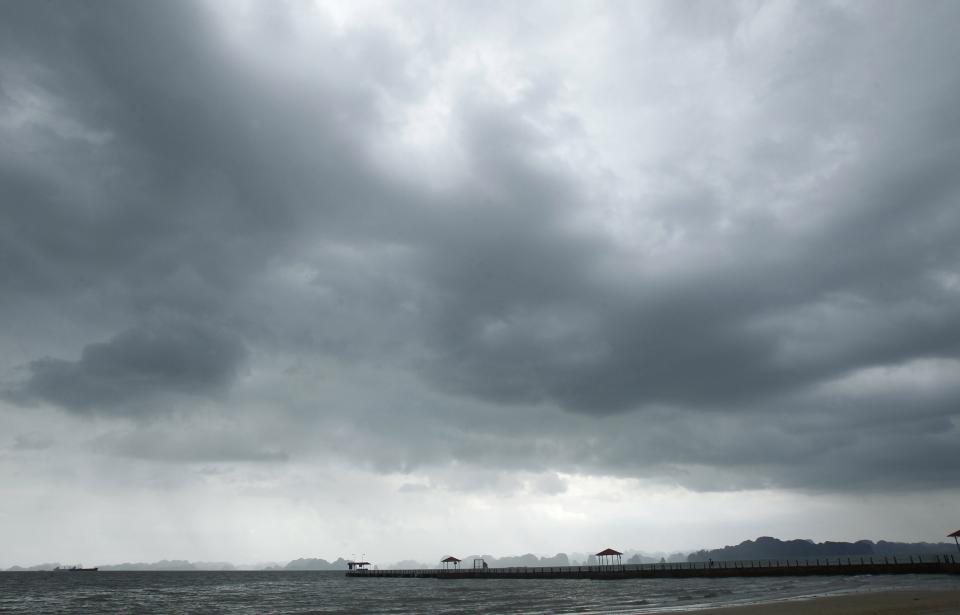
(609,552)
(449,559)
(954,535)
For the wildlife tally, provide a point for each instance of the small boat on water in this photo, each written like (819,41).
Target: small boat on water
(77,568)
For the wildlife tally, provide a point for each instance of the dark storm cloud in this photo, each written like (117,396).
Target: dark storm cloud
(528,319)
(190,169)
(818,442)
(736,327)
(138,364)
(155,179)
(163,186)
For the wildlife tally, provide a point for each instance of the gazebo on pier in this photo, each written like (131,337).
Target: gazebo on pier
(357,565)
(956,538)
(450,563)
(606,558)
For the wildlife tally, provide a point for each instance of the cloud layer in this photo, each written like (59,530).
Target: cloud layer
(707,244)
(137,364)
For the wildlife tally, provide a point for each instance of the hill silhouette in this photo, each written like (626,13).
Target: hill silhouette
(766,547)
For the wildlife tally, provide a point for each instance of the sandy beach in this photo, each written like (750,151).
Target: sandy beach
(867,603)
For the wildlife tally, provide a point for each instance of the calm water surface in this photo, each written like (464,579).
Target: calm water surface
(266,593)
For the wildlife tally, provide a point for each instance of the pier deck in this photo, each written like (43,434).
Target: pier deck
(926,564)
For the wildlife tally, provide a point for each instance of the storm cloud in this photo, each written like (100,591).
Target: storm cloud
(711,245)
(137,365)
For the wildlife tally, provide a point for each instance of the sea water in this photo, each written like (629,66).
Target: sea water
(282,592)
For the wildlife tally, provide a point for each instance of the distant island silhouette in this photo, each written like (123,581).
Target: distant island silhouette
(764,547)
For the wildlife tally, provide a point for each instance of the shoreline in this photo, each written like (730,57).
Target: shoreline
(884,602)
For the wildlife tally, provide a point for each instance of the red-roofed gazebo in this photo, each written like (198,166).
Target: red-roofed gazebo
(450,560)
(956,538)
(605,557)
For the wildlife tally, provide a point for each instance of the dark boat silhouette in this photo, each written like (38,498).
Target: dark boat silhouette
(74,569)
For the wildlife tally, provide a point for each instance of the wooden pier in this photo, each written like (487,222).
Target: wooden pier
(844,566)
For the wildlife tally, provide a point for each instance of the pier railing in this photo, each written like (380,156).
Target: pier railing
(901,564)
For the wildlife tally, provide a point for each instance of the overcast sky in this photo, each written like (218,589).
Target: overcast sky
(308,279)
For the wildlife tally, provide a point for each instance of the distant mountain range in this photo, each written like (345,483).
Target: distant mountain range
(310,563)
(173,565)
(528,559)
(166,565)
(766,547)
(32,568)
